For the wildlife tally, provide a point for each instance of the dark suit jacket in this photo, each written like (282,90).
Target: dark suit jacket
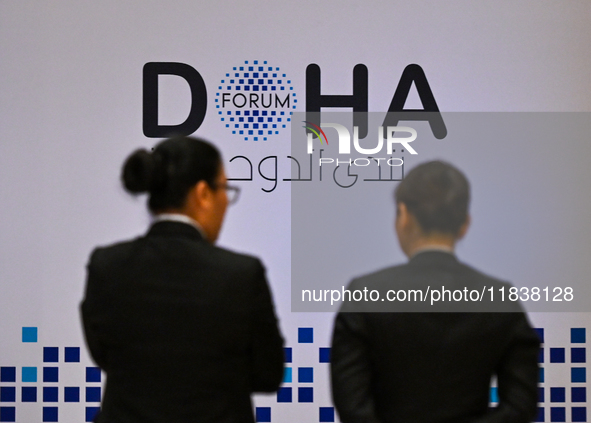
(433,367)
(184,330)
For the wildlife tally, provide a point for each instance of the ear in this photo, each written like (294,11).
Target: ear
(402,215)
(201,193)
(464,228)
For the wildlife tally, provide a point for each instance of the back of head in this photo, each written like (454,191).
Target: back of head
(170,170)
(437,194)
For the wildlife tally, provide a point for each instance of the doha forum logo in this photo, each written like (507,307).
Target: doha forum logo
(255,101)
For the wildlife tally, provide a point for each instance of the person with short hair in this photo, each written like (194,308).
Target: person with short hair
(423,367)
(184,330)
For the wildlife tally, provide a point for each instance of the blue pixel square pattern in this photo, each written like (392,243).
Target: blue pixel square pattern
(579,414)
(50,394)
(305,374)
(324,355)
(287,375)
(263,414)
(50,354)
(91,413)
(29,374)
(7,394)
(71,394)
(29,394)
(29,334)
(541,395)
(284,395)
(305,394)
(50,414)
(540,332)
(326,414)
(578,355)
(557,414)
(493,394)
(541,375)
(7,374)
(540,415)
(93,374)
(7,414)
(93,394)
(288,355)
(541,355)
(557,394)
(50,374)
(578,375)
(557,355)
(305,335)
(578,394)
(72,355)
(578,335)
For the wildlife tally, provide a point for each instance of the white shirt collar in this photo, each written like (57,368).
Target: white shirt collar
(434,247)
(177,217)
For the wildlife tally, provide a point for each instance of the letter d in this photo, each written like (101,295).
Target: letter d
(198,99)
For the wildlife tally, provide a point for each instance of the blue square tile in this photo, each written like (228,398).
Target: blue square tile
(50,414)
(540,332)
(50,394)
(263,414)
(284,395)
(557,355)
(578,355)
(7,414)
(557,395)
(305,374)
(7,374)
(93,374)
(29,334)
(541,395)
(493,394)
(29,374)
(287,375)
(579,414)
(7,394)
(578,394)
(305,394)
(29,394)
(93,394)
(50,374)
(50,354)
(541,375)
(541,355)
(91,412)
(72,394)
(288,354)
(577,336)
(326,414)
(540,415)
(557,414)
(305,335)
(72,355)
(578,375)
(324,355)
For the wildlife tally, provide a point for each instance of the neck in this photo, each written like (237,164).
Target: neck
(181,216)
(442,242)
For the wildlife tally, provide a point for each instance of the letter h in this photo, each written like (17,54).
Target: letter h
(358,101)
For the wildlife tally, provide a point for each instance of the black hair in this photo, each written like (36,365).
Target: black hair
(438,195)
(173,167)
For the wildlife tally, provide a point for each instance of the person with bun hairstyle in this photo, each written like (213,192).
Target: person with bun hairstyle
(184,330)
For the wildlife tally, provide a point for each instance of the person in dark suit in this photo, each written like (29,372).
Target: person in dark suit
(424,367)
(185,331)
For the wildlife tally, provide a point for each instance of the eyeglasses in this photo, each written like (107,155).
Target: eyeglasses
(233,192)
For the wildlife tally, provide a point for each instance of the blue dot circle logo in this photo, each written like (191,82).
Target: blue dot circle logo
(255,101)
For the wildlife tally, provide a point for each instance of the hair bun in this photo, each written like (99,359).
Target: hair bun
(139,171)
